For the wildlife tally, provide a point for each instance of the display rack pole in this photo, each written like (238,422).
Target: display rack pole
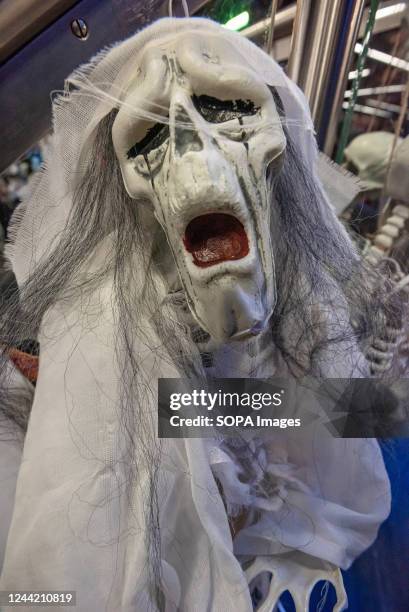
(346,47)
(298,39)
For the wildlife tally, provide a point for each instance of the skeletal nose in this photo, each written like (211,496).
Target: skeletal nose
(187,138)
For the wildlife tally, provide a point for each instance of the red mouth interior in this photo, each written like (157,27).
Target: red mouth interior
(214,238)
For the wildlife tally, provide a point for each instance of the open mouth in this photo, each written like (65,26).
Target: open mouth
(214,238)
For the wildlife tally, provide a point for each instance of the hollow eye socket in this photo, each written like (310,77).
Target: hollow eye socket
(155,137)
(211,109)
(219,111)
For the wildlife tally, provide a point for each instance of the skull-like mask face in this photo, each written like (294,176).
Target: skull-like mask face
(204,171)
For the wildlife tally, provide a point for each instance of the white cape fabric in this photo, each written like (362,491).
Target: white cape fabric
(79,522)
(76,527)
(11,443)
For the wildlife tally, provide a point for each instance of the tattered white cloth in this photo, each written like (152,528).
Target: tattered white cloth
(86,508)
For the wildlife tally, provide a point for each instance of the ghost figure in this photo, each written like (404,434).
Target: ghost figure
(179,229)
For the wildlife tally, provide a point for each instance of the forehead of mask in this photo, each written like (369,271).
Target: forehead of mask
(200,63)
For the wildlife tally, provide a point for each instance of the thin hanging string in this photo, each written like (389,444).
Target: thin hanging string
(398,128)
(185,8)
(273,11)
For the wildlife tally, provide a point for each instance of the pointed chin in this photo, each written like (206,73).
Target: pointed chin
(232,309)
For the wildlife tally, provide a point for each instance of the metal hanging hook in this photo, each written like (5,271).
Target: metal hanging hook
(184,5)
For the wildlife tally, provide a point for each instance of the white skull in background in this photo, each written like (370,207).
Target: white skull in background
(204,171)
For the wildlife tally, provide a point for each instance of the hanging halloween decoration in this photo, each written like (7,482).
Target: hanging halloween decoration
(178,229)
